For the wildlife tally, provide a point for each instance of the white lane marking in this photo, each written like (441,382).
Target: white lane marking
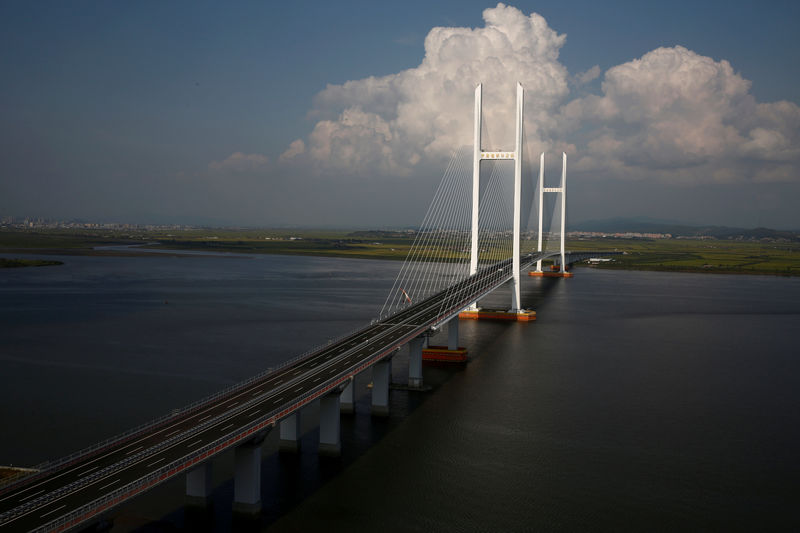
(134,450)
(155,462)
(112,451)
(227,427)
(193,443)
(205,418)
(31,496)
(279,382)
(256,393)
(298,389)
(108,485)
(276,400)
(70,470)
(254,412)
(172,433)
(317,379)
(232,404)
(53,511)
(87,471)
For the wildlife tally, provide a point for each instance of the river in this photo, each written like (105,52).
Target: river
(637,400)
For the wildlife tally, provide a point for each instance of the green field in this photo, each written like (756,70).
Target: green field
(699,255)
(290,242)
(370,245)
(677,255)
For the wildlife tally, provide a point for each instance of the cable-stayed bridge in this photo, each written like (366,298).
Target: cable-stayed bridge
(468,245)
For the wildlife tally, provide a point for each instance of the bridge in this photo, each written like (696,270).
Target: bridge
(432,290)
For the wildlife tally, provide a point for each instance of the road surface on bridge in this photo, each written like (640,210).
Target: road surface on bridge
(38,500)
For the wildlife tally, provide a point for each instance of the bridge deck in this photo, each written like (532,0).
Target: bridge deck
(73,492)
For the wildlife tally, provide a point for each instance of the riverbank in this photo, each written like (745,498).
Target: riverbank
(22,263)
(669,255)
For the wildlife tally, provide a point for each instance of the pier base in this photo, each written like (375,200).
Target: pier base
(415,363)
(535,274)
(247,479)
(347,400)
(290,433)
(330,435)
(523,315)
(381,377)
(198,486)
(452,335)
(443,354)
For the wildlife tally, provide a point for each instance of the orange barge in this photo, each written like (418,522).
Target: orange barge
(442,354)
(523,315)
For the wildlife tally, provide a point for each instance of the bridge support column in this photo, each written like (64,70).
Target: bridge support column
(381,377)
(516,304)
(541,209)
(247,478)
(563,208)
(415,363)
(452,352)
(476,176)
(198,485)
(347,400)
(290,433)
(330,434)
(452,334)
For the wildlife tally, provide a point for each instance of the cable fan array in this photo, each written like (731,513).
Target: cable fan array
(440,254)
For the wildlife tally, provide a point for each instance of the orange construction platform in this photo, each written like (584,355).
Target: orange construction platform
(443,355)
(550,274)
(492,314)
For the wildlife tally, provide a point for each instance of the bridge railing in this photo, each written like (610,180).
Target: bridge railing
(448,310)
(153,477)
(47,466)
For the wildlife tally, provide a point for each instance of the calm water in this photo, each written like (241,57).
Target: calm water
(637,401)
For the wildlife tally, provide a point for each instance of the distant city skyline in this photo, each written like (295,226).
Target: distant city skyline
(345,115)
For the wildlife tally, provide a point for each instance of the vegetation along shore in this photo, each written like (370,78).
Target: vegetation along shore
(691,254)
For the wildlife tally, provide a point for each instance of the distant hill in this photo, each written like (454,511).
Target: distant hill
(676,229)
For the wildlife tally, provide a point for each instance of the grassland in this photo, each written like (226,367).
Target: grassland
(387,245)
(696,255)
(680,255)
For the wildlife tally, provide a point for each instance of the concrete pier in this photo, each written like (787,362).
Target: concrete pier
(452,334)
(521,315)
(198,486)
(381,378)
(415,363)
(330,434)
(247,478)
(347,400)
(290,433)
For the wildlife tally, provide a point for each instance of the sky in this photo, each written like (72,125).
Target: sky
(345,114)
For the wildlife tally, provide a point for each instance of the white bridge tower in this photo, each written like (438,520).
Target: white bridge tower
(516,156)
(558,190)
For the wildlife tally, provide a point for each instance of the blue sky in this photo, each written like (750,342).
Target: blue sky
(136,111)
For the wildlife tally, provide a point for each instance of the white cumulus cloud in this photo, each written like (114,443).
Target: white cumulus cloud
(295,149)
(677,115)
(240,162)
(670,115)
(390,124)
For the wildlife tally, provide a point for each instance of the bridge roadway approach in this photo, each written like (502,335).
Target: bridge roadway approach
(77,490)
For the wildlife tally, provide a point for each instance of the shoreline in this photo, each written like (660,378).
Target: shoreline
(221,251)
